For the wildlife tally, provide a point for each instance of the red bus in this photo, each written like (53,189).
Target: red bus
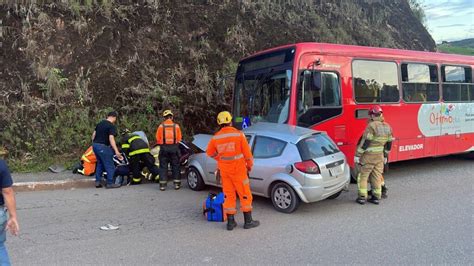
(427,98)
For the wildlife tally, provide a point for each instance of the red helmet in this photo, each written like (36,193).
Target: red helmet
(375,110)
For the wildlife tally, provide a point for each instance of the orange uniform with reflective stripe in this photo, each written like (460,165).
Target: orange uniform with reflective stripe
(234,159)
(168,133)
(89,162)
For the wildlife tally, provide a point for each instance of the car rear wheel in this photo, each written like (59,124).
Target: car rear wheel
(284,198)
(333,196)
(194,179)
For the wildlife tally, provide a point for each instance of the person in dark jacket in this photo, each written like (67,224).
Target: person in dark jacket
(138,152)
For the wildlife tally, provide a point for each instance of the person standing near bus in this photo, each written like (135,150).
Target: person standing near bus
(371,156)
(168,136)
(230,149)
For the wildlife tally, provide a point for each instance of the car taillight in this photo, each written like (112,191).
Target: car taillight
(308,167)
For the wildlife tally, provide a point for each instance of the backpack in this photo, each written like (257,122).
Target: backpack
(212,207)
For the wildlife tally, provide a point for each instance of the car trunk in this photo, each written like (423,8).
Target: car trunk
(320,149)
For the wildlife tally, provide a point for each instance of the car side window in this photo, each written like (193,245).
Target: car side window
(266,147)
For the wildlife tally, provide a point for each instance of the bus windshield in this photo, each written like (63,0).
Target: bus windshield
(263,87)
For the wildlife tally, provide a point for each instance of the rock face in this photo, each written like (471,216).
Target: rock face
(71,60)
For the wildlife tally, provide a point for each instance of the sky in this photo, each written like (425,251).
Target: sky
(449,20)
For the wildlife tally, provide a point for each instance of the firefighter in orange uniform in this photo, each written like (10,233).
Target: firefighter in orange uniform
(230,149)
(168,136)
(89,162)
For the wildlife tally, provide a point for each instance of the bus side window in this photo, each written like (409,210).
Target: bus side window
(319,96)
(375,81)
(457,83)
(420,83)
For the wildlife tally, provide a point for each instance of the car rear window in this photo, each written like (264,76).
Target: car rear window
(318,145)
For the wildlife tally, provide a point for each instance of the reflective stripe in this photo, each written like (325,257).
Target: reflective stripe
(246,181)
(247,207)
(381,139)
(232,158)
(223,136)
(84,158)
(133,138)
(125,146)
(375,149)
(370,136)
(230,209)
(137,179)
(140,151)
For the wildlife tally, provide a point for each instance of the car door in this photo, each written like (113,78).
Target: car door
(268,161)
(211,164)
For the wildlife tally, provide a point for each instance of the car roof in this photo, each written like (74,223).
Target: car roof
(288,133)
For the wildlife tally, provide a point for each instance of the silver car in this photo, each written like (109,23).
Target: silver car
(291,164)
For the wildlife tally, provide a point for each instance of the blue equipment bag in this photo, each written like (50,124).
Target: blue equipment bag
(213,209)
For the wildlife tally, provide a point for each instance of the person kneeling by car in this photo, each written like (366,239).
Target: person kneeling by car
(138,152)
(230,149)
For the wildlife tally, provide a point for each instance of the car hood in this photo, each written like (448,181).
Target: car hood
(201,141)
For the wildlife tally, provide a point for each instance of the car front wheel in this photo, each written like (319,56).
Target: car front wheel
(284,198)
(194,179)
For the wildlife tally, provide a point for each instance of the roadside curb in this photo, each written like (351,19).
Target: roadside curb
(54,185)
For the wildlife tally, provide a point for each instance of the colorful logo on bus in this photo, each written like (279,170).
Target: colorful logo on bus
(441,118)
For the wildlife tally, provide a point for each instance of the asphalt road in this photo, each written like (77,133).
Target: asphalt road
(427,219)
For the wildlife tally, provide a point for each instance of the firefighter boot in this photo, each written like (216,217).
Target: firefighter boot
(374,200)
(361,200)
(136,180)
(163,185)
(231,224)
(384,192)
(249,222)
(177,185)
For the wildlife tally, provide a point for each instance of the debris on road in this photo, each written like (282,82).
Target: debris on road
(109,227)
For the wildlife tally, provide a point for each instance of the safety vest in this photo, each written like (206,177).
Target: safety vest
(168,133)
(134,145)
(377,134)
(229,145)
(89,156)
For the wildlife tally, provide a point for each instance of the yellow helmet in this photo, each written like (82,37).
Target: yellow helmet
(224,118)
(167,113)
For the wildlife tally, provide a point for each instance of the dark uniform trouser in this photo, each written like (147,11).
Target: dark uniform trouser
(169,154)
(371,165)
(136,165)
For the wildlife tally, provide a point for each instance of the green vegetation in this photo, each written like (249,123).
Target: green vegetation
(447,48)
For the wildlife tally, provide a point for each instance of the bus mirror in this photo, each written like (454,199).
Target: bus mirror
(315,81)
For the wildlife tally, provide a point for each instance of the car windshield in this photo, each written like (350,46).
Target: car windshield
(315,146)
